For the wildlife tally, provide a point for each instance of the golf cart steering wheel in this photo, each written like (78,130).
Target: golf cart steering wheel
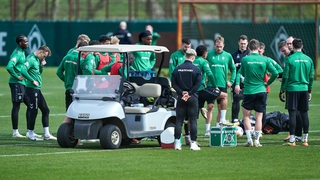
(128,88)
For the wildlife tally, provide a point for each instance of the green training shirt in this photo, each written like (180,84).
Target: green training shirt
(155,37)
(89,67)
(72,49)
(203,65)
(219,65)
(67,69)
(32,71)
(176,58)
(16,62)
(253,69)
(298,74)
(143,61)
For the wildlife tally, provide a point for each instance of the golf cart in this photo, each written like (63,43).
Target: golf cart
(116,110)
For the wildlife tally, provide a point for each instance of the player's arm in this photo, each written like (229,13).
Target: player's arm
(311,76)
(232,68)
(60,70)
(237,81)
(152,60)
(10,67)
(273,71)
(209,74)
(25,72)
(106,69)
(172,65)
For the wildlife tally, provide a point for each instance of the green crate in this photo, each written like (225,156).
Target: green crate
(223,136)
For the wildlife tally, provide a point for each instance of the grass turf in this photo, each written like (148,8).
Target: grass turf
(23,159)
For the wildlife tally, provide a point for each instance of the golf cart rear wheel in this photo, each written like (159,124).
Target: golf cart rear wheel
(110,137)
(65,136)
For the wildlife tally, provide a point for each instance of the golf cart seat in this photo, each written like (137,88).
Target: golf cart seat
(146,90)
(167,97)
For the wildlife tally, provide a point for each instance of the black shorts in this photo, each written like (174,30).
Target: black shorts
(255,102)
(298,100)
(206,96)
(222,90)
(18,92)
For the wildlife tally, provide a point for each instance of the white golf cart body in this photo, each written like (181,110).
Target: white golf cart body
(99,112)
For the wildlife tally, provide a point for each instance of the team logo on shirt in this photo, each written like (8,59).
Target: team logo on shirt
(14,59)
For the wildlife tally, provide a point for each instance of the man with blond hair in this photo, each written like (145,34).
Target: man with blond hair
(220,62)
(81,38)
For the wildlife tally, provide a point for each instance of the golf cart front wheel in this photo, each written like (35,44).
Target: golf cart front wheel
(110,137)
(65,136)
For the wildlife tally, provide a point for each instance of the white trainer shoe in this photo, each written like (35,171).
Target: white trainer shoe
(204,112)
(207,133)
(249,144)
(257,143)
(35,135)
(33,138)
(194,146)
(49,137)
(18,135)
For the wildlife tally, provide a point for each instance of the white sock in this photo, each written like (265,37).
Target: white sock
(248,134)
(207,127)
(223,115)
(177,141)
(15,131)
(188,137)
(305,137)
(257,135)
(46,130)
(292,138)
(30,132)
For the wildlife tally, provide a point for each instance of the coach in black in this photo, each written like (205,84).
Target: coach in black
(186,80)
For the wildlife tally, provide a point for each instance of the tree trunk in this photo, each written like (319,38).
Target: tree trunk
(53,10)
(26,9)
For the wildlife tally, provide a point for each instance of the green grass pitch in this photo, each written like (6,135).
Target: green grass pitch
(24,159)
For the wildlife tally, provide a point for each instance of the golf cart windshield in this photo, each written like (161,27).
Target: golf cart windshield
(96,87)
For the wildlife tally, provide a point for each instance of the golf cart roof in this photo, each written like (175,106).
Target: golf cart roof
(123,48)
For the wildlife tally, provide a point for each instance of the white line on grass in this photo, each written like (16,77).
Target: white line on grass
(311,105)
(73,152)
(7,116)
